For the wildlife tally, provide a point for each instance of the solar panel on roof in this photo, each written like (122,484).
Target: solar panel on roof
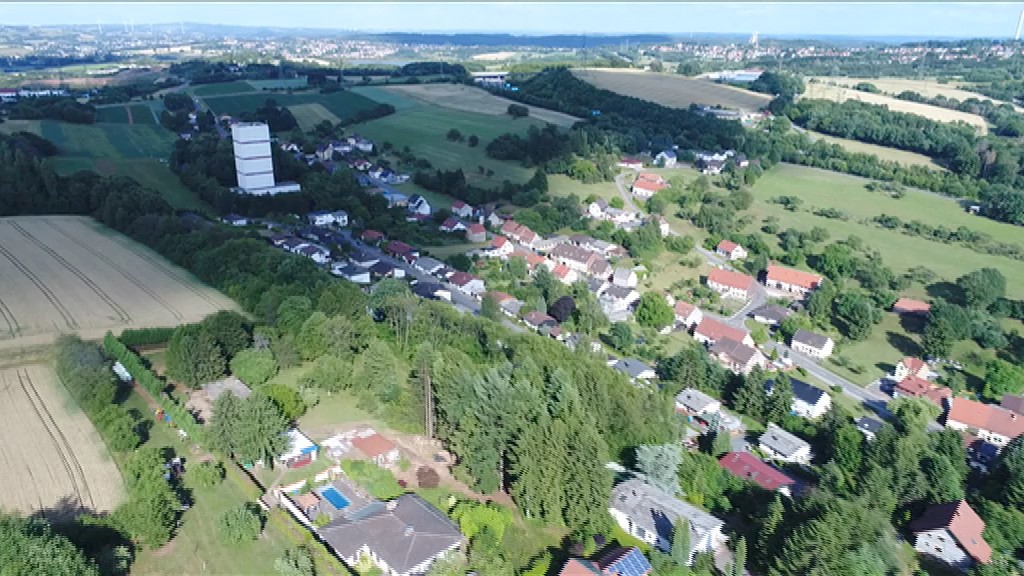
(633,563)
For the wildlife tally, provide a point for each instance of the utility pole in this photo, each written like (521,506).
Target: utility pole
(428,397)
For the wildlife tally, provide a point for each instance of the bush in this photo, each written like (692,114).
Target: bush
(427,477)
(518,111)
(206,474)
(380,483)
(146,336)
(241,524)
(254,367)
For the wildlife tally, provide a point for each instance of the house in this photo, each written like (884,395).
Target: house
(631,163)
(564,274)
(235,220)
(736,356)
(432,291)
(512,307)
(730,284)
(378,449)
(532,258)
(352,273)
(687,314)
(778,444)
(597,286)
(451,224)
(696,403)
(951,533)
(500,247)
(1013,403)
(809,401)
(292,244)
(625,277)
(812,344)
(461,209)
(399,249)
(384,270)
(751,468)
(616,562)
(914,387)
(663,227)
(791,280)
(427,264)
(712,167)
(911,366)
(989,422)
(981,455)
(371,236)
(301,450)
(649,514)
(617,299)
(537,320)
(596,209)
(635,369)
(666,158)
(467,283)
(325,218)
(580,259)
(770,314)
(494,220)
(519,233)
(317,254)
(403,537)
(869,427)
(647,185)
(710,331)
(363,258)
(476,233)
(741,160)
(730,250)
(911,306)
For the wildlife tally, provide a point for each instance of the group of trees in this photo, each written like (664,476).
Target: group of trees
(63,108)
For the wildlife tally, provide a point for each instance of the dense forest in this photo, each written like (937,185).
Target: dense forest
(63,108)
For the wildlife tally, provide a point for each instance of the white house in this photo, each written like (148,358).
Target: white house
(235,220)
(687,314)
(697,403)
(419,205)
(325,218)
(778,444)
(500,247)
(952,534)
(730,284)
(666,158)
(814,345)
(631,163)
(624,277)
(791,280)
(649,514)
(315,253)
(809,401)
(730,250)
(351,272)
(467,283)
(993,424)
(736,356)
(461,209)
(911,366)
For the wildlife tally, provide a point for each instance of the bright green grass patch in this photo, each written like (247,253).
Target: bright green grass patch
(222,88)
(309,115)
(142,114)
(341,104)
(562,185)
(104,140)
(423,130)
(386,96)
(822,189)
(147,172)
(380,483)
(117,114)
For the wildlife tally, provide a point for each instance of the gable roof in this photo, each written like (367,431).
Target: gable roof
(716,330)
(806,392)
(460,278)
(694,399)
(373,445)
(730,278)
(683,309)
(624,562)
(450,222)
(1014,403)
(794,277)
(656,511)
(579,567)
(404,533)
(913,364)
(987,417)
(868,424)
(918,387)
(632,367)
(812,339)
(772,312)
(727,246)
(962,522)
(498,241)
(477,228)
(538,318)
(733,349)
(458,204)
(398,247)
(749,467)
(910,305)
(781,441)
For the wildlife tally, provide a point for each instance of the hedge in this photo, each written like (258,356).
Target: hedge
(146,336)
(155,386)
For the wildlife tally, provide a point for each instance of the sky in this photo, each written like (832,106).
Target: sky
(927,19)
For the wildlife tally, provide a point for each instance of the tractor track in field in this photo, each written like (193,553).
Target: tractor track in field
(12,323)
(69,319)
(120,311)
(128,275)
(64,450)
(168,271)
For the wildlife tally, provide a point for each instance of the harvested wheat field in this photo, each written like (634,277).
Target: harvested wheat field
(927,87)
(470,99)
(672,90)
(52,459)
(841,94)
(69,274)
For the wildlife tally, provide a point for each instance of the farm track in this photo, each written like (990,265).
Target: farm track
(8,316)
(131,278)
(120,311)
(168,271)
(69,319)
(64,450)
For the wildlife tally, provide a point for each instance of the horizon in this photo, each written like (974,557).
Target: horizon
(938,21)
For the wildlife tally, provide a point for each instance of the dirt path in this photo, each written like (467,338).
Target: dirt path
(131,120)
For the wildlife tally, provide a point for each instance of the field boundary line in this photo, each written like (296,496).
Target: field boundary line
(53,438)
(134,249)
(57,304)
(130,277)
(74,270)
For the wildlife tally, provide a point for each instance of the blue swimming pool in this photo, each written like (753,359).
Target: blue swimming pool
(332,495)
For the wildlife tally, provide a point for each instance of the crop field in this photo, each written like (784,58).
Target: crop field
(100,140)
(150,173)
(472,99)
(309,115)
(672,90)
(823,189)
(53,459)
(63,274)
(385,95)
(884,152)
(927,87)
(125,114)
(341,104)
(841,94)
(222,88)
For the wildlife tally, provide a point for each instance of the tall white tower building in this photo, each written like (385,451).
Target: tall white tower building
(254,161)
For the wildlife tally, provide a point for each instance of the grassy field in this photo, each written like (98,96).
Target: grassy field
(672,90)
(840,94)
(927,87)
(150,173)
(821,189)
(309,115)
(126,114)
(282,83)
(387,96)
(341,104)
(99,140)
(220,89)
(472,99)
(883,152)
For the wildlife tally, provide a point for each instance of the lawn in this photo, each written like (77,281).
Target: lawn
(335,409)
(822,189)
(562,185)
(341,104)
(223,88)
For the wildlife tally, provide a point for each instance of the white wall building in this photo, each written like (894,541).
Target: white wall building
(254,164)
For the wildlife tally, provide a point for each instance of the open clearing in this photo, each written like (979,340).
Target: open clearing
(823,189)
(63,274)
(672,90)
(927,87)
(53,459)
(472,99)
(841,94)
(884,152)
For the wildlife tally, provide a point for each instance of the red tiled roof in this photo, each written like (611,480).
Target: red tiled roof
(560,270)
(629,160)
(793,276)
(727,246)
(962,522)
(306,500)
(450,223)
(986,417)
(683,309)
(398,247)
(499,296)
(498,241)
(913,364)
(910,306)
(532,258)
(579,567)
(749,467)
(731,279)
(373,445)
(918,388)
(649,177)
(458,204)
(649,185)
(715,330)
(477,228)
(371,235)
(461,278)
(537,318)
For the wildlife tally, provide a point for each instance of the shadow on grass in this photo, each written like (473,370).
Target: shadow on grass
(946,291)
(903,344)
